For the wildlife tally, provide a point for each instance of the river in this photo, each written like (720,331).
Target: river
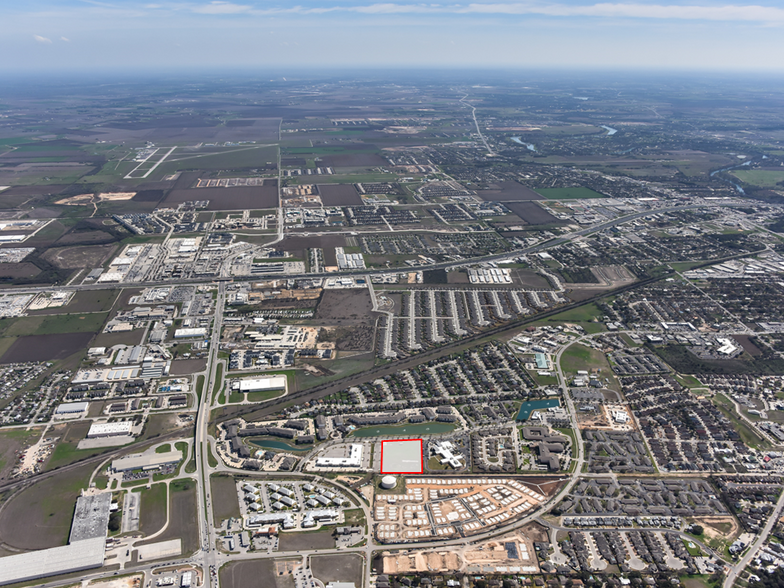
(724,169)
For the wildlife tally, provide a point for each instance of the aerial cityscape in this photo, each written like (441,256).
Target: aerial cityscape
(381,329)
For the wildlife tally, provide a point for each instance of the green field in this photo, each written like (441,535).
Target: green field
(53,324)
(235,158)
(760,177)
(577,193)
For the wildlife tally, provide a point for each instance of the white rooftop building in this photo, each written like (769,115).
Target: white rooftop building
(354,460)
(109,429)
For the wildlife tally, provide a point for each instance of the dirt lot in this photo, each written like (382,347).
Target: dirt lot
(297,245)
(241,198)
(242,574)
(339,194)
(186,367)
(83,301)
(531,213)
(346,307)
(306,540)
(506,191)
(357,338)
(353,160)
(79,257)
(11,441)
(337,568)
(45,347)
(224,500)
(18,270)
(40,515)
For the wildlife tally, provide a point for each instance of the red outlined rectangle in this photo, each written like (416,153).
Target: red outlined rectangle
(421,458)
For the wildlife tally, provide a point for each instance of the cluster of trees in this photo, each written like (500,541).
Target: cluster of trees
(769,580)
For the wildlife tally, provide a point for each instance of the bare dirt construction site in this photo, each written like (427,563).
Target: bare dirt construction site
(242,198)
(514,553)
(508,192)
(339,194)
(346,307)
(45,347)
(337,568)
(79,257)
(451,507)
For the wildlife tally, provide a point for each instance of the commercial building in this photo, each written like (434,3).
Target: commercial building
(260,384)
(91,517)
(190,333)
(354,459)
(76,557)
(109,429)
(146,462)
(72,408)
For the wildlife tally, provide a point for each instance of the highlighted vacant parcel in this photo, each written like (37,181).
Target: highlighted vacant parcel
(401,457)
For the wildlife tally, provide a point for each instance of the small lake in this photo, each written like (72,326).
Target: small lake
(405,430)
(280,445)
(610,130)
(528,407)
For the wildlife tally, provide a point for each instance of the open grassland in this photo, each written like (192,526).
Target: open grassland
(40,515)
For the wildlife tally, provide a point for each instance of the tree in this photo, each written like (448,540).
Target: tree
(697,529)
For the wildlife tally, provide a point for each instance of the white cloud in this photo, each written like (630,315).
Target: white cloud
(65,39)
(41,39)
(218,7)
(728,12)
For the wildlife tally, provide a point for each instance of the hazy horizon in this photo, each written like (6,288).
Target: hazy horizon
(85,35)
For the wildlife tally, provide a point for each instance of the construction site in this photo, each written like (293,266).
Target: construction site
(450,507)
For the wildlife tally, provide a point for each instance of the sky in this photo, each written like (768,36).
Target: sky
(265,35)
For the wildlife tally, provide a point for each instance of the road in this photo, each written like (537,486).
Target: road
(372,272)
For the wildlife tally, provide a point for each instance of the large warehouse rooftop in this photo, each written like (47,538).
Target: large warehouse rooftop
(146,462)
(81,555)
(91,517)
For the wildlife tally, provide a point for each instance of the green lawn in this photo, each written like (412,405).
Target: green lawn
(747,434)
(760,177)
(165,448)
(53,324)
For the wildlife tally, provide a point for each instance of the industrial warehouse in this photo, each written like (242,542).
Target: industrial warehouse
(86,548)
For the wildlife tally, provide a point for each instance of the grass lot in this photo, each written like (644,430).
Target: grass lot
(66,451)
(152,515)
(53,324)
(224,498)
(182,521)
(216,388)
(263,395)
(165,448)
(340,368)
(211,459)
(688,381)
(39,516)
(224,159)
(577,193)
(199,387)
(760,177)
(583,316)
(746,432)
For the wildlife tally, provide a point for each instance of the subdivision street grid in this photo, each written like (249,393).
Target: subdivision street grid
(281,355)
